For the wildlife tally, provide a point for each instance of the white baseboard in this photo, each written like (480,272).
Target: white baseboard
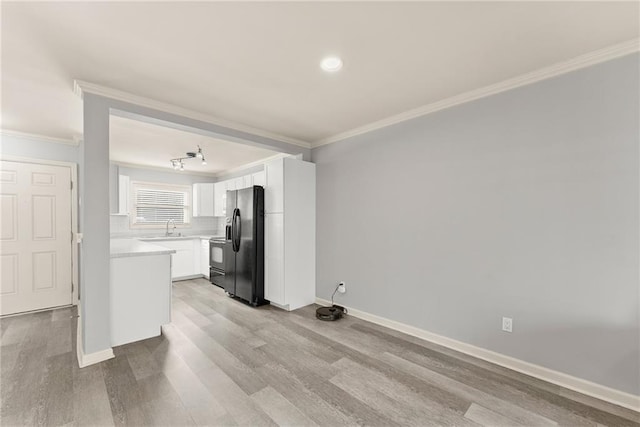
(85,360)
(281,307)
(93,358)
(589,388)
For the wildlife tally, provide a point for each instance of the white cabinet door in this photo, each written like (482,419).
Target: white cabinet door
(183,262)
(230,184)
(258,178)
(220,199)
(274,188)
(247,181)
(204,257)
(123,194)
(203,199)
(274,259)
(239,183)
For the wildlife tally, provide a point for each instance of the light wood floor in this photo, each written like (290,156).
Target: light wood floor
(223,363)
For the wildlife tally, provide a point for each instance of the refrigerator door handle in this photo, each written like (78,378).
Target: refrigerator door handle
(233,230)
(238,229)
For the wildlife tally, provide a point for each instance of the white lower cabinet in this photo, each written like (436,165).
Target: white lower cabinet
(290,233)
(140,297)
(274,258)
(204,257)
(186,261)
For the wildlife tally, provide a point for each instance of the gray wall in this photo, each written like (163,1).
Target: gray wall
(94,224)
(37,149)
(523,204)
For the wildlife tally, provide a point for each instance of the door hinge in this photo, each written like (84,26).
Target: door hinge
(72,185)
(72,287)
(72,237)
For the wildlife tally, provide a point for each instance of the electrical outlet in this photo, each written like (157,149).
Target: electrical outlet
(342,288)
(507,324)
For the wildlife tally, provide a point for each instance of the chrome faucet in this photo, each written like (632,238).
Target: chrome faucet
(174,228)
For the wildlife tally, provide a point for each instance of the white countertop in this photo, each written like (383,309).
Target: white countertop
(165,238)
(134,247)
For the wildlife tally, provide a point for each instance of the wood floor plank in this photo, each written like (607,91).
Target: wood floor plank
(283,412)
(196,399)
(514,412)
(168,411)
(242,409)
(520,390)
(124,394)
(489,418)
(55,403)
(376,389)
(341,339)
(222,362)
(20,391)
(246,353)
(229,363)
(247,336)
(91,404)
(308,402)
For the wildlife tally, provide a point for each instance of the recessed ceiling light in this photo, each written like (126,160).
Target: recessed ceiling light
(331,64)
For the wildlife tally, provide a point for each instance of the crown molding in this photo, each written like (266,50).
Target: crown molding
(75,141)
(250,165)
(81,87)
(161,169)
(582,61)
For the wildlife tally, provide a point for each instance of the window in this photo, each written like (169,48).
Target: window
(154,204)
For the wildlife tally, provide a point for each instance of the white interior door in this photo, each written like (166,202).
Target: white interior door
(35,237)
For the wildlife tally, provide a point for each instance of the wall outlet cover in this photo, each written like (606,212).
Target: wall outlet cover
(507,324)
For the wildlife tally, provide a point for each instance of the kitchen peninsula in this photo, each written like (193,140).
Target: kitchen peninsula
(140,290)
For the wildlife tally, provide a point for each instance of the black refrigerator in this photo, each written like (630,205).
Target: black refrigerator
(244,246)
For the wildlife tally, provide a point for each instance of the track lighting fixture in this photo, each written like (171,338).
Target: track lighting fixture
(178,163)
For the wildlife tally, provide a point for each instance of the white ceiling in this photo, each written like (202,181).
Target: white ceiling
(257,63)
(140,143)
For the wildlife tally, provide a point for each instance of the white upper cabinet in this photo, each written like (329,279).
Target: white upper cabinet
(258,178)
(221,188)
(220,198)
(247,181)
(239,183)
(203,199)
(274,186)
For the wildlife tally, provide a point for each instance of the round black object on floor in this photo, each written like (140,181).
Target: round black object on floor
(329,313)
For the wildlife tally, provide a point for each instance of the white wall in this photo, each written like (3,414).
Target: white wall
(522,204)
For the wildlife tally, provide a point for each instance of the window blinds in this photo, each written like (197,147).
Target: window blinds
(156,206)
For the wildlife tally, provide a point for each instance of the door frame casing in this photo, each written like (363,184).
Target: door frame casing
(74,212)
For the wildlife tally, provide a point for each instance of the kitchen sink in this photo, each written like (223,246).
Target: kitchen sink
(152,238)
